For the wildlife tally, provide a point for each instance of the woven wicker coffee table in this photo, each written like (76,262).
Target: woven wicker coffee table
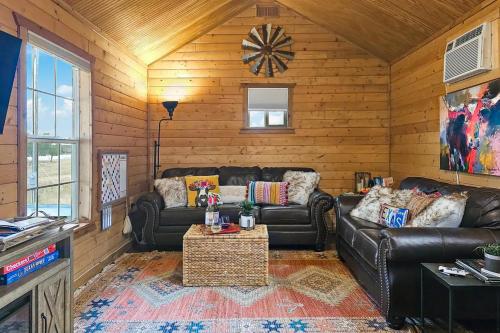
(226,260)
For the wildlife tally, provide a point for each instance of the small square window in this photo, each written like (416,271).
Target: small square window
(267,107)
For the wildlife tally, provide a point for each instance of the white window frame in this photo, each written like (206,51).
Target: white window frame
(79,65)
(267,128)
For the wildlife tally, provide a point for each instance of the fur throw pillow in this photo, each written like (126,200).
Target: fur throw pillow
(173,191)
(233,194)
(444,212)
(300,185)
(369,207)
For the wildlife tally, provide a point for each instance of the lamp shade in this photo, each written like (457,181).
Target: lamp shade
(170,106)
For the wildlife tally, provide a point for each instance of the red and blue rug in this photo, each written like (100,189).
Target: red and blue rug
(143,292)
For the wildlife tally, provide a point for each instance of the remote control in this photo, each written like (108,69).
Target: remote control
(452,271)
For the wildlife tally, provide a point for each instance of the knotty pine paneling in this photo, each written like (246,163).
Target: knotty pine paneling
(340,116)
(416,87)
(119,119)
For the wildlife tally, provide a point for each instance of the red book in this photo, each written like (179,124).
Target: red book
(27,260)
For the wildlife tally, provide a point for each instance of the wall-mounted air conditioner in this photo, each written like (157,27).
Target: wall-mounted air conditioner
(468,55)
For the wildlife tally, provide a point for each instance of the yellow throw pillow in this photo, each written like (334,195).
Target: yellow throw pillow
(198,187)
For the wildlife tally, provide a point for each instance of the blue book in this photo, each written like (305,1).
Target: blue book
(28,269)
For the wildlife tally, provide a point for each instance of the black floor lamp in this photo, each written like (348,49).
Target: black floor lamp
(170,106)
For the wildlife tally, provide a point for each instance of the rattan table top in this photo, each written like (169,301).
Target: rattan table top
(196,232)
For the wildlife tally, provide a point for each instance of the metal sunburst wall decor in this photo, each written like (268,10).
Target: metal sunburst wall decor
(268,48)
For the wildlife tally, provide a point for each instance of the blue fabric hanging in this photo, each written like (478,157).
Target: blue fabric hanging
(106,217)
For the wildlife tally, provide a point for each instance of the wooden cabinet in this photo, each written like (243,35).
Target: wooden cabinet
(49,289)
(53,304)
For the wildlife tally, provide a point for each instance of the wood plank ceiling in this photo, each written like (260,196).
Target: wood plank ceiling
(385,28)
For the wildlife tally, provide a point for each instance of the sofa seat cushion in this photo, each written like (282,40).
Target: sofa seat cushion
(348,225)
(366,243)
(285,215)
(182,216)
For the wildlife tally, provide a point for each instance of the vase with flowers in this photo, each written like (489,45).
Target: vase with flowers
(212,211)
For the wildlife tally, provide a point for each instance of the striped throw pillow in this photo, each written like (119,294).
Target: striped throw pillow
(271,193)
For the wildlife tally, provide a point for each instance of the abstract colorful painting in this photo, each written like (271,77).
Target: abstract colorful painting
(470,130)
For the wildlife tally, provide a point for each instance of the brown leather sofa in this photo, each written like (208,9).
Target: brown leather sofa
(157,227)
(386,262)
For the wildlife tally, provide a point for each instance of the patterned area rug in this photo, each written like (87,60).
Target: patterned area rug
(143,292)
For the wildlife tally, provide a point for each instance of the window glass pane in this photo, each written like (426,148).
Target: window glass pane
(46,114)
(68,153)
(48,164)
(64,79)
(277,118)
(64,114)
(31,202)
(45,74)
(66,204)
(29,112)
(256,118)
(48,200)
(29,66)
(31,165)
(267,99)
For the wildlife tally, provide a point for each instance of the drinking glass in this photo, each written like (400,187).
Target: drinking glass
(216,225)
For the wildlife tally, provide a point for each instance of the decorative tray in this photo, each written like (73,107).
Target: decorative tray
(231,229)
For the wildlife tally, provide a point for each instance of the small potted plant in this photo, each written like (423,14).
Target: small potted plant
(247,220)
(491,257)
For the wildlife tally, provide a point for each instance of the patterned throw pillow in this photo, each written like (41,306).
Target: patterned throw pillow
(272,193)
(444,212)
(369,207)
(173,191)
(198,188)
(418,203)
(300,185)
(393,217)
(233,194)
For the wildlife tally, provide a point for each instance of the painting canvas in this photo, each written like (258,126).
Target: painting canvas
(470,130)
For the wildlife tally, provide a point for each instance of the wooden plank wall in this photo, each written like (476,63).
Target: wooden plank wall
(120,119)
(416,88)
(340,114)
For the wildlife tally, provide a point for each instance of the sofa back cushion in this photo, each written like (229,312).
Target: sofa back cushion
(483,205)
(276,174)
(238,176)
(182,172)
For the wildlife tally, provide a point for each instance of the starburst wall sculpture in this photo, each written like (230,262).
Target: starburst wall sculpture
(268,48)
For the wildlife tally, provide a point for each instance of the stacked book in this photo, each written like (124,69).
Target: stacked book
(476,267)
(10,228)
(31,263)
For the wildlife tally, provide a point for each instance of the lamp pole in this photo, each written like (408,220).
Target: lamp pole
(170,107)
(156,166)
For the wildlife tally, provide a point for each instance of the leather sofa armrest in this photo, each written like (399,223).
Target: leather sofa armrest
(153,197)
(318,195)
(434,244)
(345,203)
(319,204)
(150,205)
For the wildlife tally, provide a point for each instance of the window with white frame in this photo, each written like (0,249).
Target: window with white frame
(268,107)
(57,82)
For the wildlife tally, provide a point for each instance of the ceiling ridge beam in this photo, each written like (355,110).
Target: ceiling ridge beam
(321,24)
(64,5)
(234,8)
